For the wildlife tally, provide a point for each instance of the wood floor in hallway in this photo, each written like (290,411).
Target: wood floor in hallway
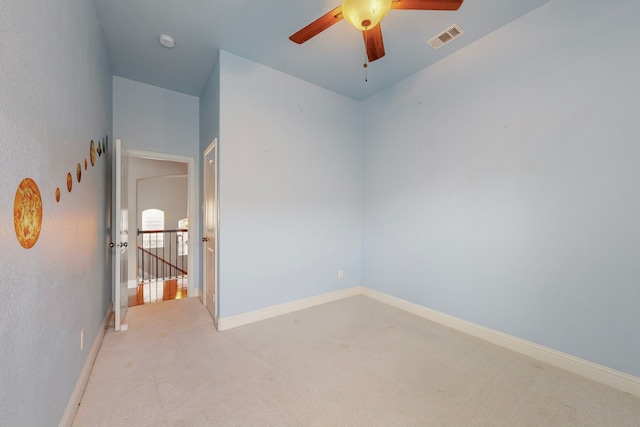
(152,291)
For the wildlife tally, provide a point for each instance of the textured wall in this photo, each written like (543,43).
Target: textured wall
(290,189)
(150,118)
(55,96)
(501,184)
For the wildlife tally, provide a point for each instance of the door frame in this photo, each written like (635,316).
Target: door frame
(193,287)
(120,233)
(212,147)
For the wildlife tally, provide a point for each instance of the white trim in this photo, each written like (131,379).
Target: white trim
(81,384)
(278,310)
(602,374)
(118,230)
(192,209)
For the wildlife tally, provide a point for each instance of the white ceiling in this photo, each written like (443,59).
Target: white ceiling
(259,30)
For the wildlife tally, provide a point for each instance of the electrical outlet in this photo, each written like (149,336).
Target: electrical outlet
(340,274)
(82,339)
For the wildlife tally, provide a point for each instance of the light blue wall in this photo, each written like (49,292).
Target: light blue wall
(290,188)
(210,108)
(55,97)
(150,118)
(501,184)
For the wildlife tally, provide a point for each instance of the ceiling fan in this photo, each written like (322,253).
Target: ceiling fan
(365,15)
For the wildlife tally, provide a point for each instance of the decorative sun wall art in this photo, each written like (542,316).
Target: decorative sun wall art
(27,213)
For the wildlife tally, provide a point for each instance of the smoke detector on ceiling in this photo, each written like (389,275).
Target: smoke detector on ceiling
(167,41)
(447,36)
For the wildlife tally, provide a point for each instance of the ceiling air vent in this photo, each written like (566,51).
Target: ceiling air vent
(451,33)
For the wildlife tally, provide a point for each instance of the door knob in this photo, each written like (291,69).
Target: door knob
(123,244)
(111,245)
(205,239)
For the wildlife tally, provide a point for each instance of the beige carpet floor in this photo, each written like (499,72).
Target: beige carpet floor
(353,362)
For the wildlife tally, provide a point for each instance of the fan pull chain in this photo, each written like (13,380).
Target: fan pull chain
(365,65)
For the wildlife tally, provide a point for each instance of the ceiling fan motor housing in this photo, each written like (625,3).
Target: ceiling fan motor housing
(365,14)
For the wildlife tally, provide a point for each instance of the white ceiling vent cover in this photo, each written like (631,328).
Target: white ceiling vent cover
(448,35)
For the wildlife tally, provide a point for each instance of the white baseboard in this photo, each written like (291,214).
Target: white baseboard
(231,322)
(81,384)
(607,376)
(593,371)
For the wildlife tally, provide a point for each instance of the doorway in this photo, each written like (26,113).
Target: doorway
(161,250)
(162,258)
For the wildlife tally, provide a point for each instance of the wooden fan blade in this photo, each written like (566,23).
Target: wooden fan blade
(426,4)
(373,43)
(317,26)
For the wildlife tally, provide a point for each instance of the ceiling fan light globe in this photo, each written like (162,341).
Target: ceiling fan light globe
(365,14)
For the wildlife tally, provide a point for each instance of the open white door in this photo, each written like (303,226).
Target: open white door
(210,238)
(121,235)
